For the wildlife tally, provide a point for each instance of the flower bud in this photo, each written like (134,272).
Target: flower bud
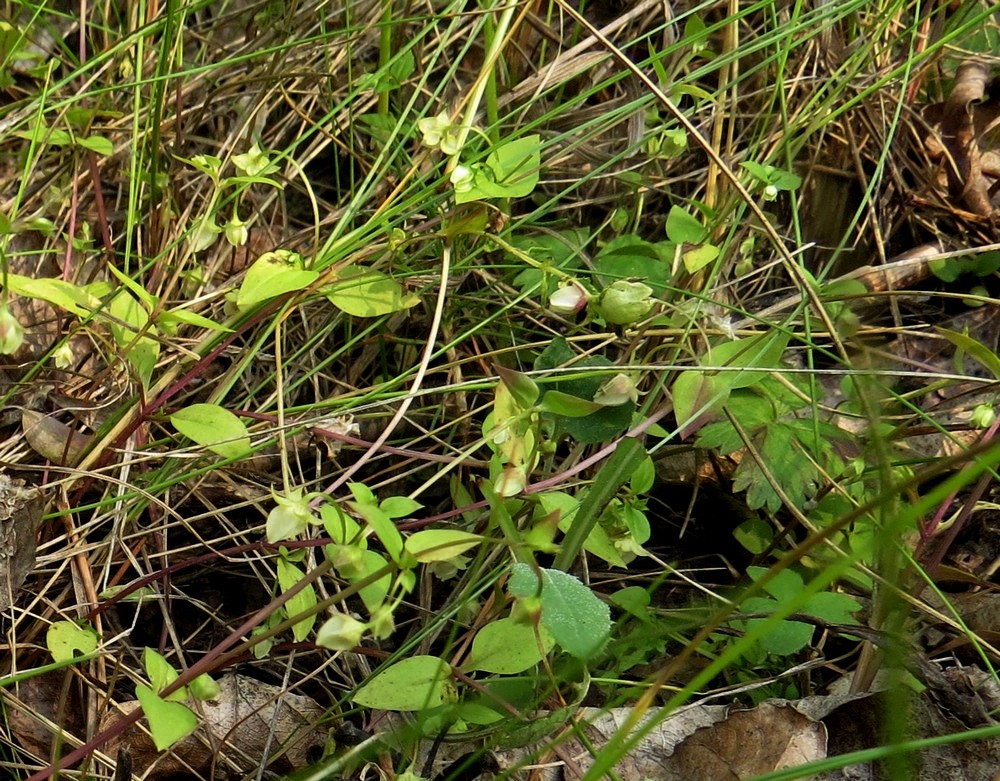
(617,390)
(11,332)
(341,632)
(624,302)
(569,299)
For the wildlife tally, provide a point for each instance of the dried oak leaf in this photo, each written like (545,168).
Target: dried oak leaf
(246,719)
(20,519)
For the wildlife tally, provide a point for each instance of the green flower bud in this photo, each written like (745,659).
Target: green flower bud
(11,332)
(623,302)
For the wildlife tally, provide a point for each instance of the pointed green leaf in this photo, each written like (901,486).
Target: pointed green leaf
(440,544)
(273,274)
(169,722)
(213,427)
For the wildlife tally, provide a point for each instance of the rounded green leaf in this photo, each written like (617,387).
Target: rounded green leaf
(413,684)
(575,617)
(213,427)
(66,638)
(507,647)
(367,293)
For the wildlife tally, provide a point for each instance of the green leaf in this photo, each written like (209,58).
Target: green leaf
(833,607)
(171,316)
(697,258)
(523,389)
(601,426)
(142,352)
(507,647)
(515,165)
(373,595)
(161,673)
(785,639)
(57,292)
(613,474)
(974,349)
(783,586)
(633,600)
(643,477)
(399,506)
(764,351)
(204,688)
(414,684)
(682,228)
(754,534)
(440,544)
(698,397)
(631,257)
(511,171)
(213,427)
(169,722)
(559,403)
(383,526)
(273,274)
(575,617)
(98,144)
(305,600)
(366,293)
(65,639)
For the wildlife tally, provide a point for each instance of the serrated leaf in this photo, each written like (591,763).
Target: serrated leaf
(367,293)
(414,684)
(575,617)
(213,427)
(273,274)
(440,544)
(507,647)
(65,639)
(169,722)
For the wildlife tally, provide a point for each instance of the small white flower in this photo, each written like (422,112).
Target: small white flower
(511,481)
(434,128)
(462,178)
(253,162)
(569,299)
(290,517)
(341,632)
(63,356)
(236,232)
(203,235)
